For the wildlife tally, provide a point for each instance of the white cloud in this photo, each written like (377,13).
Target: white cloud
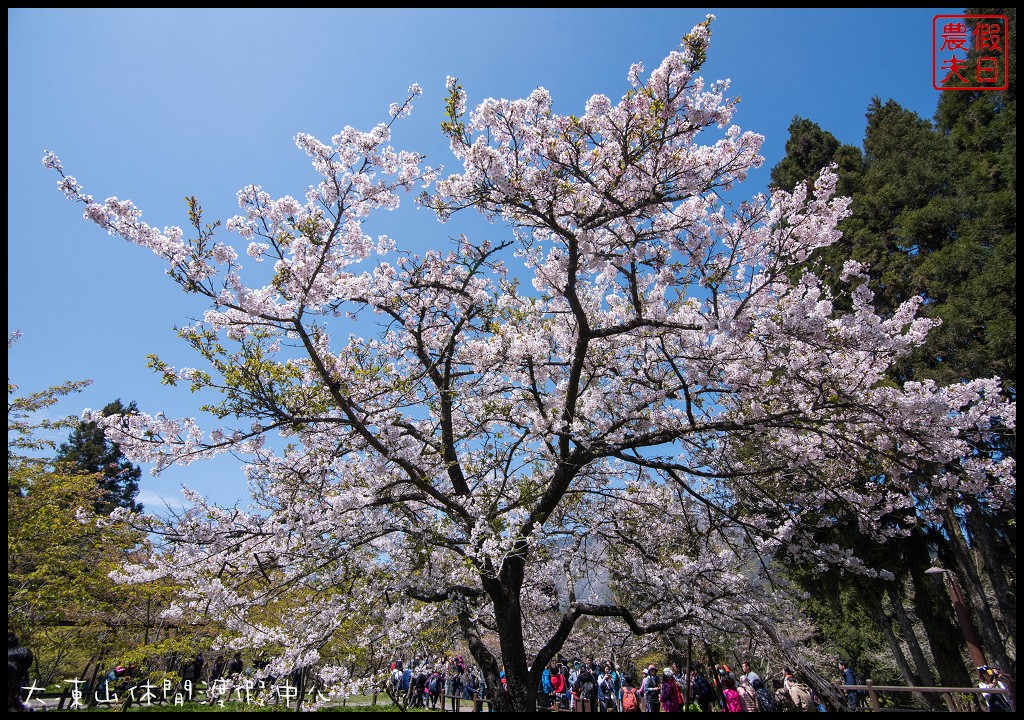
(157,504)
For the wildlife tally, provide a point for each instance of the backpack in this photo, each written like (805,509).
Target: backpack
(766,700)
(589,688)
(432,685)
(629,702)
(666,696)
(670,695)
(861,694)
(705,693)
(784,700)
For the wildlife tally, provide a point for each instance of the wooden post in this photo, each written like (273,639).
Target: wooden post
(873,695)
(948,697)
(64,696)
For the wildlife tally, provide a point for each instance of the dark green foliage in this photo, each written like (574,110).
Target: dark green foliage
(974,275)
(88,451)
(933,214)
(808,150)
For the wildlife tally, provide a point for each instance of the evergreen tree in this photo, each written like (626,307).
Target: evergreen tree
(61,601)
(808,150)
(88,451)
(934,214)
(973,276)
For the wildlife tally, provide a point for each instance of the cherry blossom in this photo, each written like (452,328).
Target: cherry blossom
(625,377)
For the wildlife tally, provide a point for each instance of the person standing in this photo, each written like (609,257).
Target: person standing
(396,679)
(606,693)
(630,701)
(616,686)
(586,689)
(419,688)
(217,671)
(236,666)
(651,690)
(453,684)
(19,660)
(849,678)
(558,682)
(749,674)
(765,699)
(405,686)
(671,696)
(733,702)
(702,690)
(801,695)
(434,680)
(546,688)
(782,697)
(572,673)
(989,679)
(747,695)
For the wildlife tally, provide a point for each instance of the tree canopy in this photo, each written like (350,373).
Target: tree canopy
(61,601)
(87,450)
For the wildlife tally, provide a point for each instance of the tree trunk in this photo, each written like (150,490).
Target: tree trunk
(921,674)
(966,574)
(932,607)
(827,691)
(993,564)
(92,700)
(909,676)
(484,659)
(713,676)
(521,687)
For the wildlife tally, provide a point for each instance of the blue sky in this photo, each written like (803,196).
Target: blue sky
(155,105)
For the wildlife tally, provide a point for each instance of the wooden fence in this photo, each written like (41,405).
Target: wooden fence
(875,705)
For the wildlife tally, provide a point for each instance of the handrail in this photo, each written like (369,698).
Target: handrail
(873,690)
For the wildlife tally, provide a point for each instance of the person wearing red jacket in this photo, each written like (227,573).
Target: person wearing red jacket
(558,683)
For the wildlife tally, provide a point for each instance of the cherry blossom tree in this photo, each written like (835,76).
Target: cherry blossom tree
(619,410)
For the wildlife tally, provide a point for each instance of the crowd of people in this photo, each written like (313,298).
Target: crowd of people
(602,686)
(599,687)
(424,683)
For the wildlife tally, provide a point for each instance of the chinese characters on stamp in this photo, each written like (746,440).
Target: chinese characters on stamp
(970,52)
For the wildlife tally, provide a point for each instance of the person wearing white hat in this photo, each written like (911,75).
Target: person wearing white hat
(671,697)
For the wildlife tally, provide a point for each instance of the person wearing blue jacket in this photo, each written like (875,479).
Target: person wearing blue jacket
(545,686)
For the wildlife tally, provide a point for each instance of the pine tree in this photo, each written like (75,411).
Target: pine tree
(934,213)
(973,276)
(88,451)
